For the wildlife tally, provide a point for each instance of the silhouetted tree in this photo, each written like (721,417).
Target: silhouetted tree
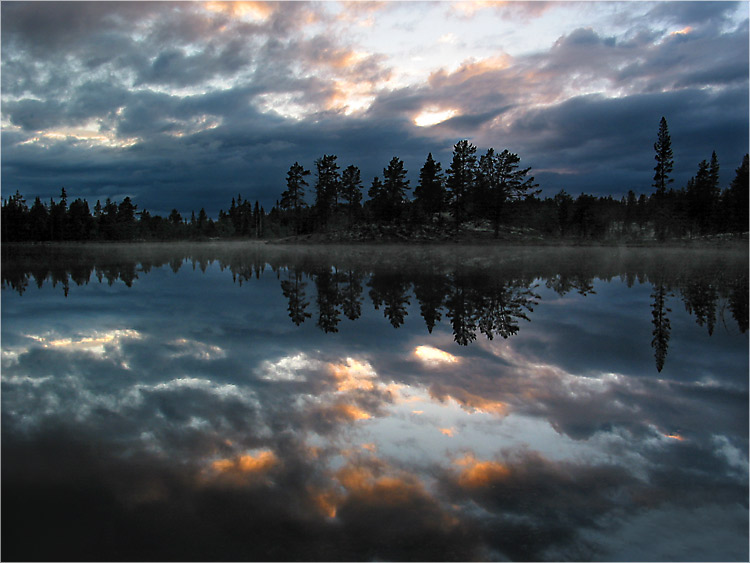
(351,294)
(328,300)
(664,158)
(293,289)
(326,188)
(429,195)
(663,168)
(293,197)
(564,206)
(377,203)
(702,195)
(351,191)
(38,221)
(461,177)
(394,189)
(660,320)
(500,180)
(80,223)
(390,290)
(736,203)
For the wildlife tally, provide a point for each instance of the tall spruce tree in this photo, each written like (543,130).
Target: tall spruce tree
(394,189)
(664,164)
(293,198)
(429,195)
(664,159)
(351,190)
(461,178)
(327,187)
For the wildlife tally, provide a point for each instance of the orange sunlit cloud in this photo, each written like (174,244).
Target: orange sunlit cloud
(262,461)
(469,69)
(468,9)
(476,473)
(368,481)
(353,374)
(684,31)
(468,401)
(254,11)
(327,502)
(447,431)
(350,412)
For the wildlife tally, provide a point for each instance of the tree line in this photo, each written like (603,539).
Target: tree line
(490,192)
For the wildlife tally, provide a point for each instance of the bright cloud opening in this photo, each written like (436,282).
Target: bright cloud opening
(431,355)
(429,117)
(249,11)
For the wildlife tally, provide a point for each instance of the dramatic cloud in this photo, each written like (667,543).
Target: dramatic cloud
(187,104)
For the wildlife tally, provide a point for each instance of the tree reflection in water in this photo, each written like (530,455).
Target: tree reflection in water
(484,290)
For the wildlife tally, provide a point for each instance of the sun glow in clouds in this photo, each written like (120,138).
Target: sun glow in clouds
(250,11)
(95,343)
(432,116)
(476,473)
(434,356)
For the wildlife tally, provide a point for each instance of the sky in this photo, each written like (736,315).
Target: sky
(186,105)
(230,430)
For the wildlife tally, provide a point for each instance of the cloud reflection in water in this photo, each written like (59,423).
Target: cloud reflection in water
(238,434)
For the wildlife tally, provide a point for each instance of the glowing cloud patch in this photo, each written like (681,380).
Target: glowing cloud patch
(683,31)
(250,11)
(434,356)
(352,375)
(95,343)
(351,412)
(248,463)
(431,116)
(480,473)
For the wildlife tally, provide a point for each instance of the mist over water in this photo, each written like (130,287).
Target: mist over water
(250,402)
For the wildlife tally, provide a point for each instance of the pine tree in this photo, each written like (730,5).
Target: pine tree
(394,189)
(736,199)
(429,195)
(461,178)
(664,165)
(664,159)
(351,190)
(327,187)
(293,197)
(500,180)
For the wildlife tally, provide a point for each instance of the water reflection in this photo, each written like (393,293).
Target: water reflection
(473,292)
(243,403)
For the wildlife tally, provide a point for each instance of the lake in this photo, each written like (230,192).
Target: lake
(241,401)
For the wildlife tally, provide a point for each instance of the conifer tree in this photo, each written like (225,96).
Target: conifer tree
(293,198)
(664,159)
(351,190)
(327,187)
(461,178)
(429,195)
(394,189)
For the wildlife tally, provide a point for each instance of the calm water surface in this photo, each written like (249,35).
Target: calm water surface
(249,402)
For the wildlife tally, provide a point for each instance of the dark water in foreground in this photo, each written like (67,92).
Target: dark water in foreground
(245,402)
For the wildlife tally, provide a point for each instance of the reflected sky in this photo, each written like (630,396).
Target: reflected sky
(246,402)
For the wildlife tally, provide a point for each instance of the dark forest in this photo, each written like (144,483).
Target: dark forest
(488,196)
